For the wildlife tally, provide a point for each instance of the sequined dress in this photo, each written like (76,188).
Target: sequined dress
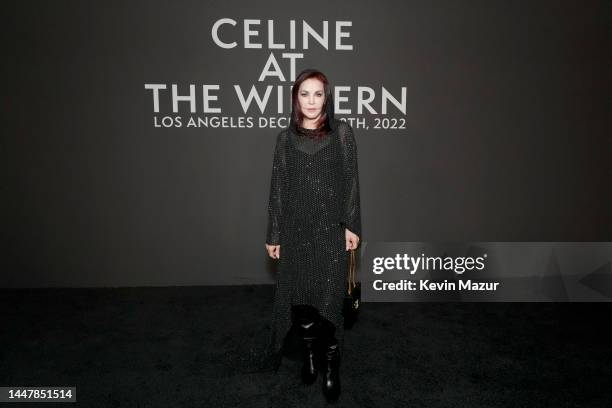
(314,196)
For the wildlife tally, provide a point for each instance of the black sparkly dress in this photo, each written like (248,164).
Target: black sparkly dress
(314,196)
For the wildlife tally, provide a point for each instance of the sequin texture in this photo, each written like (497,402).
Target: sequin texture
(314,196)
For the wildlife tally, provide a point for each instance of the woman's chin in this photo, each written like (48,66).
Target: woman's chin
(311,115)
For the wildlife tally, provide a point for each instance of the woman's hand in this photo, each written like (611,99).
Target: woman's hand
(273,251)
(352,240)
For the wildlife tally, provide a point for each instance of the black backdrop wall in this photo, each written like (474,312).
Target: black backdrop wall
(496,128)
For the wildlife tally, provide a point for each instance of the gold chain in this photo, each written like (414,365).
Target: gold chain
(351,274)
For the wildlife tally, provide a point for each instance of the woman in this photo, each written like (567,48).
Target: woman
(314,219)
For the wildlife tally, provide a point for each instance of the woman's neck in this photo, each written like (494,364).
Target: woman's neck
(312,125)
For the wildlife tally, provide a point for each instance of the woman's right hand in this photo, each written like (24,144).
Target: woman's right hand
(273,251)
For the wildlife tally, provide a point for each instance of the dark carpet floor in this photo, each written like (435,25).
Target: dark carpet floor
(182,347)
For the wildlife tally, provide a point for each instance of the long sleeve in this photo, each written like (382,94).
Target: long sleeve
(275,203)
(351,217)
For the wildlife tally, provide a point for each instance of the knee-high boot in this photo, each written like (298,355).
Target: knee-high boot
(309,327)
(331,369)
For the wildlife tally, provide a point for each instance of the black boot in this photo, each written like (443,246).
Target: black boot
(309,338)
(331,370)
(308,324)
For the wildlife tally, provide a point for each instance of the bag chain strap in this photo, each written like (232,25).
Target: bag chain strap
(351,274)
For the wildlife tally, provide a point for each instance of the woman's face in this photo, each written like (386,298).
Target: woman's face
(311,97)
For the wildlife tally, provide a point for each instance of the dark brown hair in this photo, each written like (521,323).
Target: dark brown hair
(326,120)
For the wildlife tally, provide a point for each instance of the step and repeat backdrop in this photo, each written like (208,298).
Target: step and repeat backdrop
(138,136)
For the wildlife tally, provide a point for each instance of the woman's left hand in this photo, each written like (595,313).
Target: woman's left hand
(352,240)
